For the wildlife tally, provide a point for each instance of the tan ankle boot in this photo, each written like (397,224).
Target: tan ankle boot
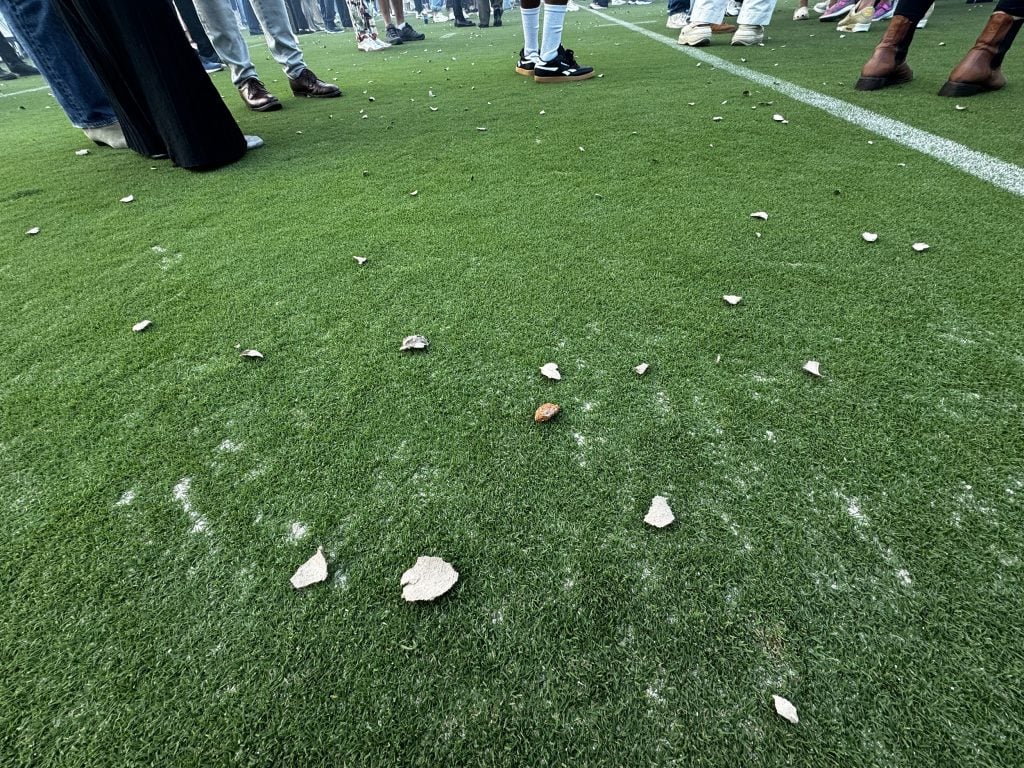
(980,70)
(888,64)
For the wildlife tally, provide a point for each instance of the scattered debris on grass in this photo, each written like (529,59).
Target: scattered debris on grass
(779,118)
(641,369)
(82,152)
(360,260)
(128,199)
(660,514)
(252,354)
(759,215)
(731,300)
(550,371)
(414,342)
(142,325)
(959,107)
(33,231)
(785,709)
(428,579)
(313,571)
(919,247)
(546,412)
(869,237)
(813,367)
(414,193)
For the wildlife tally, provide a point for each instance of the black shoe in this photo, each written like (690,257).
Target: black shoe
(257,97)
(482,25)
(309,85)
(525,66)
(497,16)
(21,69)
(561,69)
(464,23)
(393,36)
(7,75)
(410,35)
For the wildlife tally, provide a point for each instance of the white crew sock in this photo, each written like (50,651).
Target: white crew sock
(531,29)
(401,26)
(554,16)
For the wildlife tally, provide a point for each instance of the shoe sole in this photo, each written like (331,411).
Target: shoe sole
(878,83)
(704,41)
(317,95)
(837,15)
(561,78)
(962,90)
(271,107)
(747,42)
(522,71)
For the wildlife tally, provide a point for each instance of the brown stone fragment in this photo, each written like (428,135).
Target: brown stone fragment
(546,412)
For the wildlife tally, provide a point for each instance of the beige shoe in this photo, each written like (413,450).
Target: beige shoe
(696,35)
(748,34)
(109,135)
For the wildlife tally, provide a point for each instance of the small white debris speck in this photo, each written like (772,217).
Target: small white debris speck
(82,152)
(731,300)
(919,247)
(128,199)
(360,260)
(33,231)
(550,371)
(785,709)
(429,578)
(813,367)
(869,237)
(313,571)
(759,215)
(253,354)
(142,325)
(641,369)
(414,342)
(660,514)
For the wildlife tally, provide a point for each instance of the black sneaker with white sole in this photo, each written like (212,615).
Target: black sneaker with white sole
(561,69)
(410,35)
(392,35)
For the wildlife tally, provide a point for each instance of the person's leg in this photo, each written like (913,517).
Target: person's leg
(222,29)
(981,69)
(497,10)
(753,17)
(484,14)
(282,42)
(703,13)
(187,11)
(557,64)
(144,60)
(42,34)
(460,15)
(888,64)
(529,10)
(250,18)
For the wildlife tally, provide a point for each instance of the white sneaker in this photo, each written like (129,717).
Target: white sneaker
(253,142)
(732,8)
(440,18)
(571,6)
(617,2)
(366,45)
(748,34)
(677,21)
(695,35)
(820,8)
(800,14)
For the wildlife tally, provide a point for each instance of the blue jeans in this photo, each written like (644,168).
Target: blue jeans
(41,32)
(678,6)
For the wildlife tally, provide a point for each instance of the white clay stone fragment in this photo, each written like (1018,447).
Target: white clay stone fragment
(869,237)
(779,118)
(762,215)
(919,247)
(785,709)
(142,325)
(253,354)
(414,342)
(813,367)
(33,231)
(732,301)
(128,199)
(641,369)
(428,579)
(313,571)
(717,119)
(660,514)
(82,152)
(550,371)
(414,193)
(360,260)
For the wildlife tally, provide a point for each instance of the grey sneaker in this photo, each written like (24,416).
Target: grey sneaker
(410,35)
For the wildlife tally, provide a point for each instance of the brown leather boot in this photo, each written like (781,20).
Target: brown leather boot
(888,64)
(980,70)
(309,85)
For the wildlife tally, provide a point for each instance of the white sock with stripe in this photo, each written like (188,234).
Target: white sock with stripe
(531,30)
(554,17)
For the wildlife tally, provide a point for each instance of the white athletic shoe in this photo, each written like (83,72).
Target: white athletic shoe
(800,14)
(820,8)
(677,21)
(732,8)
(440,18)
(695,35)
(571,6)
(748,34)
(617,2)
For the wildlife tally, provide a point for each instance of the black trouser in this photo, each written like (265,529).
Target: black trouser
(187,11)
(916,9)
(165,101)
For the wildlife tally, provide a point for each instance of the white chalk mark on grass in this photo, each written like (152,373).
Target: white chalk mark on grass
(861,523)
(181,495)
(298,532)
(999,173)
(229,446)
(126,498)
(29,90)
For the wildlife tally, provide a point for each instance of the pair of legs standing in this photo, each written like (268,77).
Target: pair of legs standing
(543,57)
(979,71)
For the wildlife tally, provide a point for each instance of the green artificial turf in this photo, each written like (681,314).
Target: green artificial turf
(852,543)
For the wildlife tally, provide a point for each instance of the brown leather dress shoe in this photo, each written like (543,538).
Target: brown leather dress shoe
(257,97)
(312,87)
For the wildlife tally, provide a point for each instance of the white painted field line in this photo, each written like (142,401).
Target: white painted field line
(30,90)
(997,172)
